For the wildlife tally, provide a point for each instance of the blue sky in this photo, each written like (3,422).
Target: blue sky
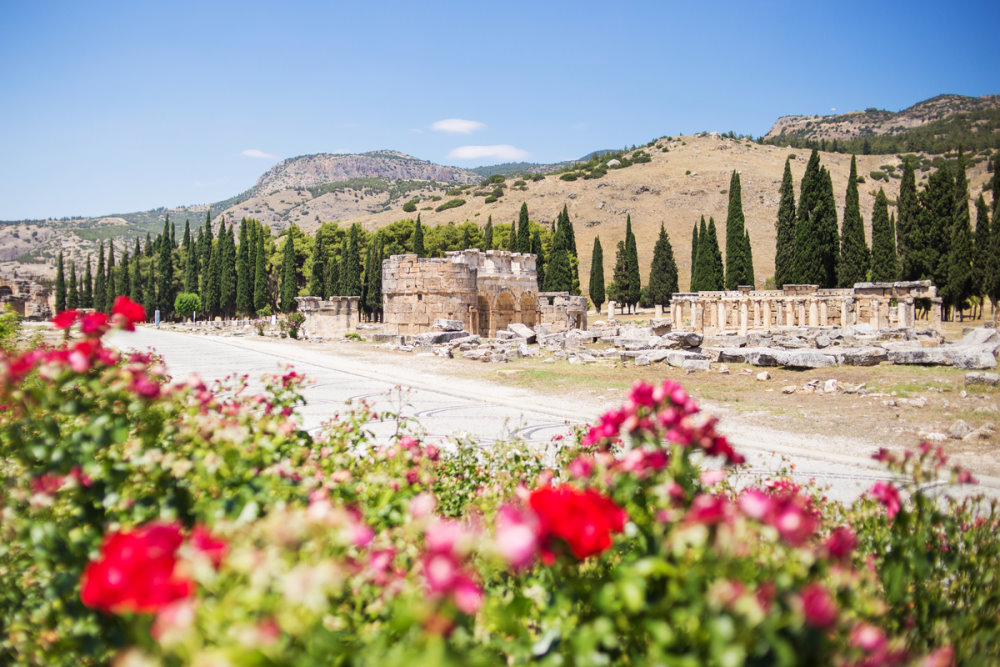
(123,106)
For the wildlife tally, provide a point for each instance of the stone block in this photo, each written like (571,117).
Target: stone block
(443,324)
(522,331)
(983,379)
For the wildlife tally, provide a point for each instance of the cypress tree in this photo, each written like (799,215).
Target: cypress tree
(244,277)
(260,274)
(934,227)
(825,226)
(289,288)
(736,269)
(981,263)
(748,256)
(136,294)
(539,252)
(350,269)
(373,278)
(806,265)
(961,254)
(883,249)
(632,265)
(100,281)
(854,256)
(226,247)
(111,284)
(488,234)
(60,285)
(165,278)
(694,253)
(907,225)
(418,241)
(173,235)
(205,260)
(597,274)
(784,227)
(558,274)
(701,260)
(662,271)
(712,270)
(187,236)
(523,230)
(191,268)
(569,240)
(333,270)
(87,298)
(73,297)
(992,277)
(620,275)
(149,293)
(317,275)
(149,246)
(512,238)
(210,289)
(125,279)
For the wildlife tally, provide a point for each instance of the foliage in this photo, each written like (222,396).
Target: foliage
(662,271)
(10,328)
(186,303)
(737,271)
(597,293)
(631,288)
(451,203)
(854,255)
(784,253)
(883,267)
(289,284)
(291,324)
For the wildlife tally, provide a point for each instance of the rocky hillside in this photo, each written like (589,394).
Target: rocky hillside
(976,111)
(311,170)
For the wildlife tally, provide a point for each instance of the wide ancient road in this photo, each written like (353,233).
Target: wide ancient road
(447,407)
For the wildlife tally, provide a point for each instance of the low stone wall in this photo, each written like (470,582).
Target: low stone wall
(330,318)
(560,311)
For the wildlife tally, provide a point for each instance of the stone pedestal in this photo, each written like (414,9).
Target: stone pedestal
(611,310)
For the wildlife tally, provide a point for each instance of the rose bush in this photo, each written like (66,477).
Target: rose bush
(172,522)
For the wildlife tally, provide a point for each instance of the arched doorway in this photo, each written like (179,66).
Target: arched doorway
(5,290)
(529,309)
(483,325)
(504,311)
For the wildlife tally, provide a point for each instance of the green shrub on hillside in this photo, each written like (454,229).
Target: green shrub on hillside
(451,203)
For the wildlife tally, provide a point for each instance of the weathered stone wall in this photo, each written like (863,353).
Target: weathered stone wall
(328,319)
(416,290)
(880,305)
(561,312)
(27,297)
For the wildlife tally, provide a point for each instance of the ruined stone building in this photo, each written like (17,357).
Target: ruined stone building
(486,291)
(28,298)
(880,305)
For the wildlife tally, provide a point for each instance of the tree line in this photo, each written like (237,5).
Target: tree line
(932,239)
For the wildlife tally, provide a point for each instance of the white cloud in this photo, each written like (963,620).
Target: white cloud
(499,152)
(458,126)
(253,152)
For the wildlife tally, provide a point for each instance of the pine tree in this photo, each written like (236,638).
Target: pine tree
(87,297)
(784,227)
(883,249)
(317,275)
(244,279)
(205,262)
(736,269)
(173,236)
(907,225)
(165,274)
(260,274)
(289,286)
(73,297)
(149,246)
(100,281)
(807,263)
(191,268)
(597,274)
(539,252)
(748,259)
(961,254)
(694,254)
(187,237)
(565,227)
(523,230)
(418,241)
(662,271)
(825,226)
(111,284)
(934,227)
(699,268)
(559,271)
(488,234)
(228,270)
(980,265)
(854,256)
(60,285)
(210,289)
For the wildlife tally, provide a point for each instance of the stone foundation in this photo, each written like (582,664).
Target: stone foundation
(745,309)
(28,298)
(561,312)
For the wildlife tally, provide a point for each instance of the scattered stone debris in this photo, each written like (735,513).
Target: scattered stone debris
(763,376)
(983,379)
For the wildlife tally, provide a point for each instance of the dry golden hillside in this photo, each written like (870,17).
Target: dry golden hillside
(663,191)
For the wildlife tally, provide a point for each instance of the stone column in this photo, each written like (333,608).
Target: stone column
(658,311)
(744,316)
(673,314)
(756,314)
(901,314)
(790,315)
(767,314)
(698,317)
(883,320)
(813,313)
(911,312)
(824,314)
(874,315)
(843,313)
(936,313)
(611,310)
(694,315)
(801,307)
(722,315)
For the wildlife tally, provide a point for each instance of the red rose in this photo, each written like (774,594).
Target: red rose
(584,520)
(818,606)
(65,319)
(94,323)
(130,312)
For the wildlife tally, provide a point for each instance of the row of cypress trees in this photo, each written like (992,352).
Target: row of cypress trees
(708,273)
(626,287)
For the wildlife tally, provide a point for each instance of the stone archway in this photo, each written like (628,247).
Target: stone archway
(505,311)
(6,290)
(529,310)
(483,324)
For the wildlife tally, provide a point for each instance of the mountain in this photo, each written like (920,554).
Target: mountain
(937,125)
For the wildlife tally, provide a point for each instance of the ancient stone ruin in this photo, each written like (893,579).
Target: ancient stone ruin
(880,305)
(330,318)
(485,291)
(27,298)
